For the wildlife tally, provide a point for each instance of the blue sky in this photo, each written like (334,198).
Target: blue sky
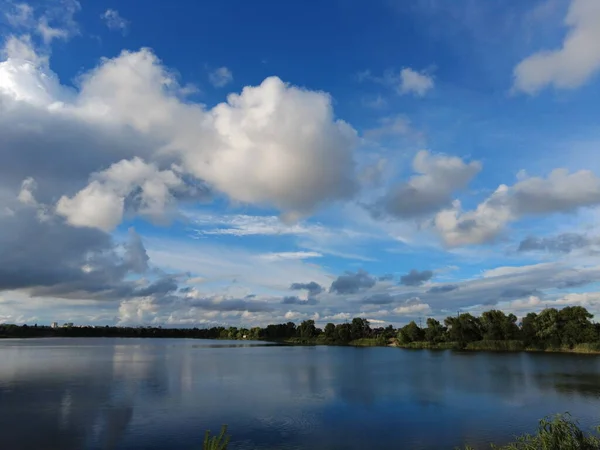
(235,162)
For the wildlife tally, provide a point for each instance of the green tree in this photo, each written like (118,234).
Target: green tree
(548,327)
(464,329)
(497,326)
(435,331)
(343,332)
(529,330)
(291,329)
(359,328)
(307,329)
(575,325)
(232,333)
(410,333)
(389,332)
(330,331)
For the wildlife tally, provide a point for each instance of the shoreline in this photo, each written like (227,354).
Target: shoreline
(579,349)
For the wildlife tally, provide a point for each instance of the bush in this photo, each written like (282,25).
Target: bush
(219,442)
(558,433)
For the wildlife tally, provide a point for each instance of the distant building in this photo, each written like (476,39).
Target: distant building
(54,325)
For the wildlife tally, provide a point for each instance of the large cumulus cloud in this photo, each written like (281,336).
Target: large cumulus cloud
(78,161)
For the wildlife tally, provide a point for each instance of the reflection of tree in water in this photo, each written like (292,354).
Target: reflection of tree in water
(354,377)
(584,384)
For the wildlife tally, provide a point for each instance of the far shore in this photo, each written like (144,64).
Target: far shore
(568,330)
(481,346)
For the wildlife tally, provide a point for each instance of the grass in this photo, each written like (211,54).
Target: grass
(369,342)
(499,346)
(485,345)
(587,348)
(560,432)
(496,346)
(424,345)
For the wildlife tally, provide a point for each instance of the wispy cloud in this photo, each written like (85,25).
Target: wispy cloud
(247,225)
(114,21)
(377,102)
(280,256)
(220,77)
(407,81)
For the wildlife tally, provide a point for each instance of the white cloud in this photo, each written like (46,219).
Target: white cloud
(377,102)
(279,256)
(408,81)
(342,316)
(560,192)
(246,225)
(411,309)
(585,299)
(528,304)
(574,63)
(222,264)
(266,156)
(413,82)
(24,58)
(49,33)
(272,145)
(114,21)
(372,174)
(294,315)
(54,20)
(391,126)
(102,203)
(438,177)
(26,193)
(311,236)
(20,16)
(588,300)
(220,77)
(505,271)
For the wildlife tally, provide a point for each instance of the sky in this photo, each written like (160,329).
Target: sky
(243,162)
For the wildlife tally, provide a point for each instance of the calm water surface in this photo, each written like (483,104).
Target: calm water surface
(135,394)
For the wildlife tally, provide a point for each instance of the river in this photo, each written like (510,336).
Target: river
(134,394)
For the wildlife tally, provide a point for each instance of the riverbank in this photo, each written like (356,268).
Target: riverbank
(499,346)
(363,342)
(483,346)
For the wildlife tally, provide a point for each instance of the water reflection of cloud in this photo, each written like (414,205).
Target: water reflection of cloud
(155,393)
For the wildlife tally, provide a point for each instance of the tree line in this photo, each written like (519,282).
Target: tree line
(551,328)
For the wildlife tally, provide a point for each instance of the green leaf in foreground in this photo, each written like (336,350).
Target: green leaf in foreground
(558,432)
